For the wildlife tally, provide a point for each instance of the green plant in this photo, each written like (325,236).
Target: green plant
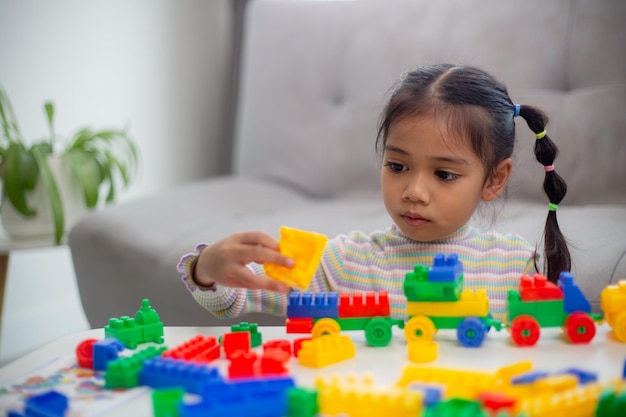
(97,158)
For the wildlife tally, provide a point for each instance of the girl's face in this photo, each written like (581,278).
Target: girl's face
(432,181)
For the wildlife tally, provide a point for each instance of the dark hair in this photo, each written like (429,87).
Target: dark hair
(473,104)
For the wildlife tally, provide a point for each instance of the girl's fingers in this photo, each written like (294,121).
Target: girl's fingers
(258,238)
(249,279)
(261,254)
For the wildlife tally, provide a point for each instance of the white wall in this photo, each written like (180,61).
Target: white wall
(160,66)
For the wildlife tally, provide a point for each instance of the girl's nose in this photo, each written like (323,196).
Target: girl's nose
(416,191)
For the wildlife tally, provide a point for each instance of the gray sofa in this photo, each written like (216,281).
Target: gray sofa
(314,77)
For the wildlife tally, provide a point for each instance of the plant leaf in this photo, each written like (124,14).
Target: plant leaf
(54,198)
(49,107)
(86,167)
(9,121)
(20,174)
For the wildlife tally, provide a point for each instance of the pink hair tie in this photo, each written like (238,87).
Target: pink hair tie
(548,168)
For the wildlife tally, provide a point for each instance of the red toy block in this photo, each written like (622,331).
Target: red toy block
(495,401)
(538,288)
(84,353)
(299,325)
(242,364)
(201,349)
(297,344)
(354,305)
(234,341)
(271,363)
(284,345)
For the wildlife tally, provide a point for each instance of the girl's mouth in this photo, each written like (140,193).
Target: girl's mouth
(414,220)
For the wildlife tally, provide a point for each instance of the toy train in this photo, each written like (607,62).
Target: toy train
(436,300)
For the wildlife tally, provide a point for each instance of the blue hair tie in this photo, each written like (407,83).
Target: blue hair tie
(517,108)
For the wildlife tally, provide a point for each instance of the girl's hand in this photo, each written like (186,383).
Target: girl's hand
(225,262)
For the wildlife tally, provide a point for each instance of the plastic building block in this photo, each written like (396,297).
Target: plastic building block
(167,402)
(201,349)
(302,402)
(326,350)
(378,331)
(159,372)
(306,304)
(256,338)
(242,364)
(145,327)
(579,328)
(148,318)
(471,332)
(456,407)
(611,403)
(417,287)
(299,325)
(355,305)
(574,298)
(529,377)
(104,351)
(468,303)
(48,404)
(124,329)
(84,353)
(445,269)
(432,393)
(355,396)
(537,288)
(495,402)
(584,377)
(306,249)
(613,304)
(124,372)
(297,345)
(282,344)
(525,330)
(234,341)
(258,397)
(422,351)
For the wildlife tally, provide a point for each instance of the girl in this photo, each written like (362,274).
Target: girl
(446,137)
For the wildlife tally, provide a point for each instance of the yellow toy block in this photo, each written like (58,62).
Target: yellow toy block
(466,384)
(613,304)
(422,351)
(470,303)
(326,350)
(306,249)
(580,401)
(360,397)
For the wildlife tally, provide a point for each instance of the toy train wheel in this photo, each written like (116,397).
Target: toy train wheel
(580,328)
(325,326)
(619,327)
(378,332)
(525,330)
(471,332)
(419,328)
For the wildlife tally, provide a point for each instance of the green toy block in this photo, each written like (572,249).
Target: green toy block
(124,329)
(456,407)
(256,338)
(548,313)
(149,319)
(301,402)
(611,403)
(124,372)
(166,402)
(417,287)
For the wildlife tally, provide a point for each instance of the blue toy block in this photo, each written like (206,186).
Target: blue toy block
(432,392)
(160,372)
(48,404)
(573,297)
(105,350)
(584,377)
(259,397)
(529,377)
(445,269)
(624,371)
(307,305)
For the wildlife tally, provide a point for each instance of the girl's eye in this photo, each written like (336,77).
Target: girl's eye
(446,176)
(396,167)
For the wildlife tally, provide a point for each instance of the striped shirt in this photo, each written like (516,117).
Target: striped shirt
(379,261)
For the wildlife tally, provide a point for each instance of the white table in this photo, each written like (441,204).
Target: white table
(603,355)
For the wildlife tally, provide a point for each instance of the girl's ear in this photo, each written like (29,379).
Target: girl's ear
(498,179)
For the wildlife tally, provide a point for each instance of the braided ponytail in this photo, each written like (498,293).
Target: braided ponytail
(557,254)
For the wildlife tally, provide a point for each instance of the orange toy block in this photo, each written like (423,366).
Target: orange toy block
(306,249)
(326,350)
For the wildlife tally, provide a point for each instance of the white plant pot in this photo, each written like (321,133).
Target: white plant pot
(42,224)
